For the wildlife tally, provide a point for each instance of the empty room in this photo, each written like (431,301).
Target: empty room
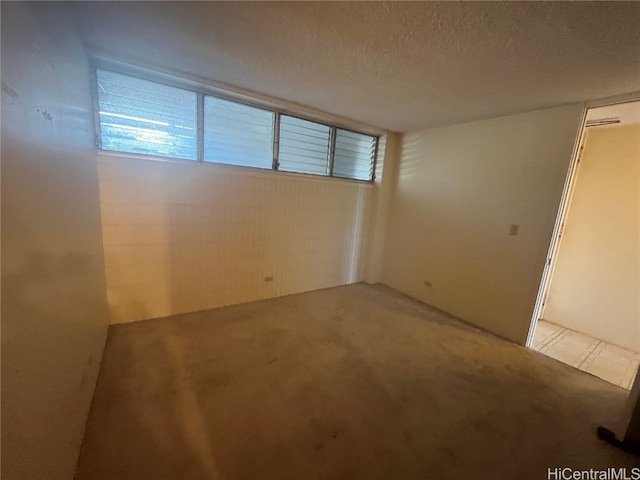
(305,240)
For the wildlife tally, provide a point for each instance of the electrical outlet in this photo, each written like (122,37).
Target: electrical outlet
(513,230)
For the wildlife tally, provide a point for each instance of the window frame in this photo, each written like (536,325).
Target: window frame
(375,153)
(202,91)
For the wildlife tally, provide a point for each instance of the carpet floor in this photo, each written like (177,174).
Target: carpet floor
(353,382)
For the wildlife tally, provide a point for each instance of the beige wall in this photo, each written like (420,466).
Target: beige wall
(184,237)
(54,312)
(459,189)
(596,278)
(386,169)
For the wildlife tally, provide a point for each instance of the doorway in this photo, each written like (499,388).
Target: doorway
(588,311)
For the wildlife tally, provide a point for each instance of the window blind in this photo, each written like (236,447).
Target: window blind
(304,146)
(139,116)
(237,134)
(146,117)
(353,155)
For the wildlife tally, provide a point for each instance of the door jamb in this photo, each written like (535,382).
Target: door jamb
(563,208)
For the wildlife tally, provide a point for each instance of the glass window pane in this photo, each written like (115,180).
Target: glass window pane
(354,154)
(237,134)
(304,146)
(138,116)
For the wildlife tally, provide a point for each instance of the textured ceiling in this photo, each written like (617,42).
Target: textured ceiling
(398,66)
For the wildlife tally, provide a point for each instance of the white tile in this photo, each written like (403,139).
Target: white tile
(537,345)
(593,355)
(572,348)
(551,339)
(570,344)
(610,371)
(631,374)
(617,354)
(549,342)
(609,362)
(545,331)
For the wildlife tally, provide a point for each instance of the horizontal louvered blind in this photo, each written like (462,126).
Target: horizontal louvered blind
(353,156)
(237,134)
(139,116)
(304,146)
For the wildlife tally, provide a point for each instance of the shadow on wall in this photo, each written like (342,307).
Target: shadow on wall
(357,238)
(459,191)
(412,159)
(54,309)
(181,237)
(47,307)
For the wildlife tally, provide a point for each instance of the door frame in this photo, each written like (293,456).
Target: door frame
(563,208)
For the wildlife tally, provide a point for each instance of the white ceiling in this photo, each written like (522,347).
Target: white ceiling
(399,66)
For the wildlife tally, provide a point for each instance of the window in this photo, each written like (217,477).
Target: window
(237,134)
(138,116)
(304,146)
(353,155)
(151,118)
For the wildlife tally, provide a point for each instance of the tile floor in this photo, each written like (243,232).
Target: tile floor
(614,364)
